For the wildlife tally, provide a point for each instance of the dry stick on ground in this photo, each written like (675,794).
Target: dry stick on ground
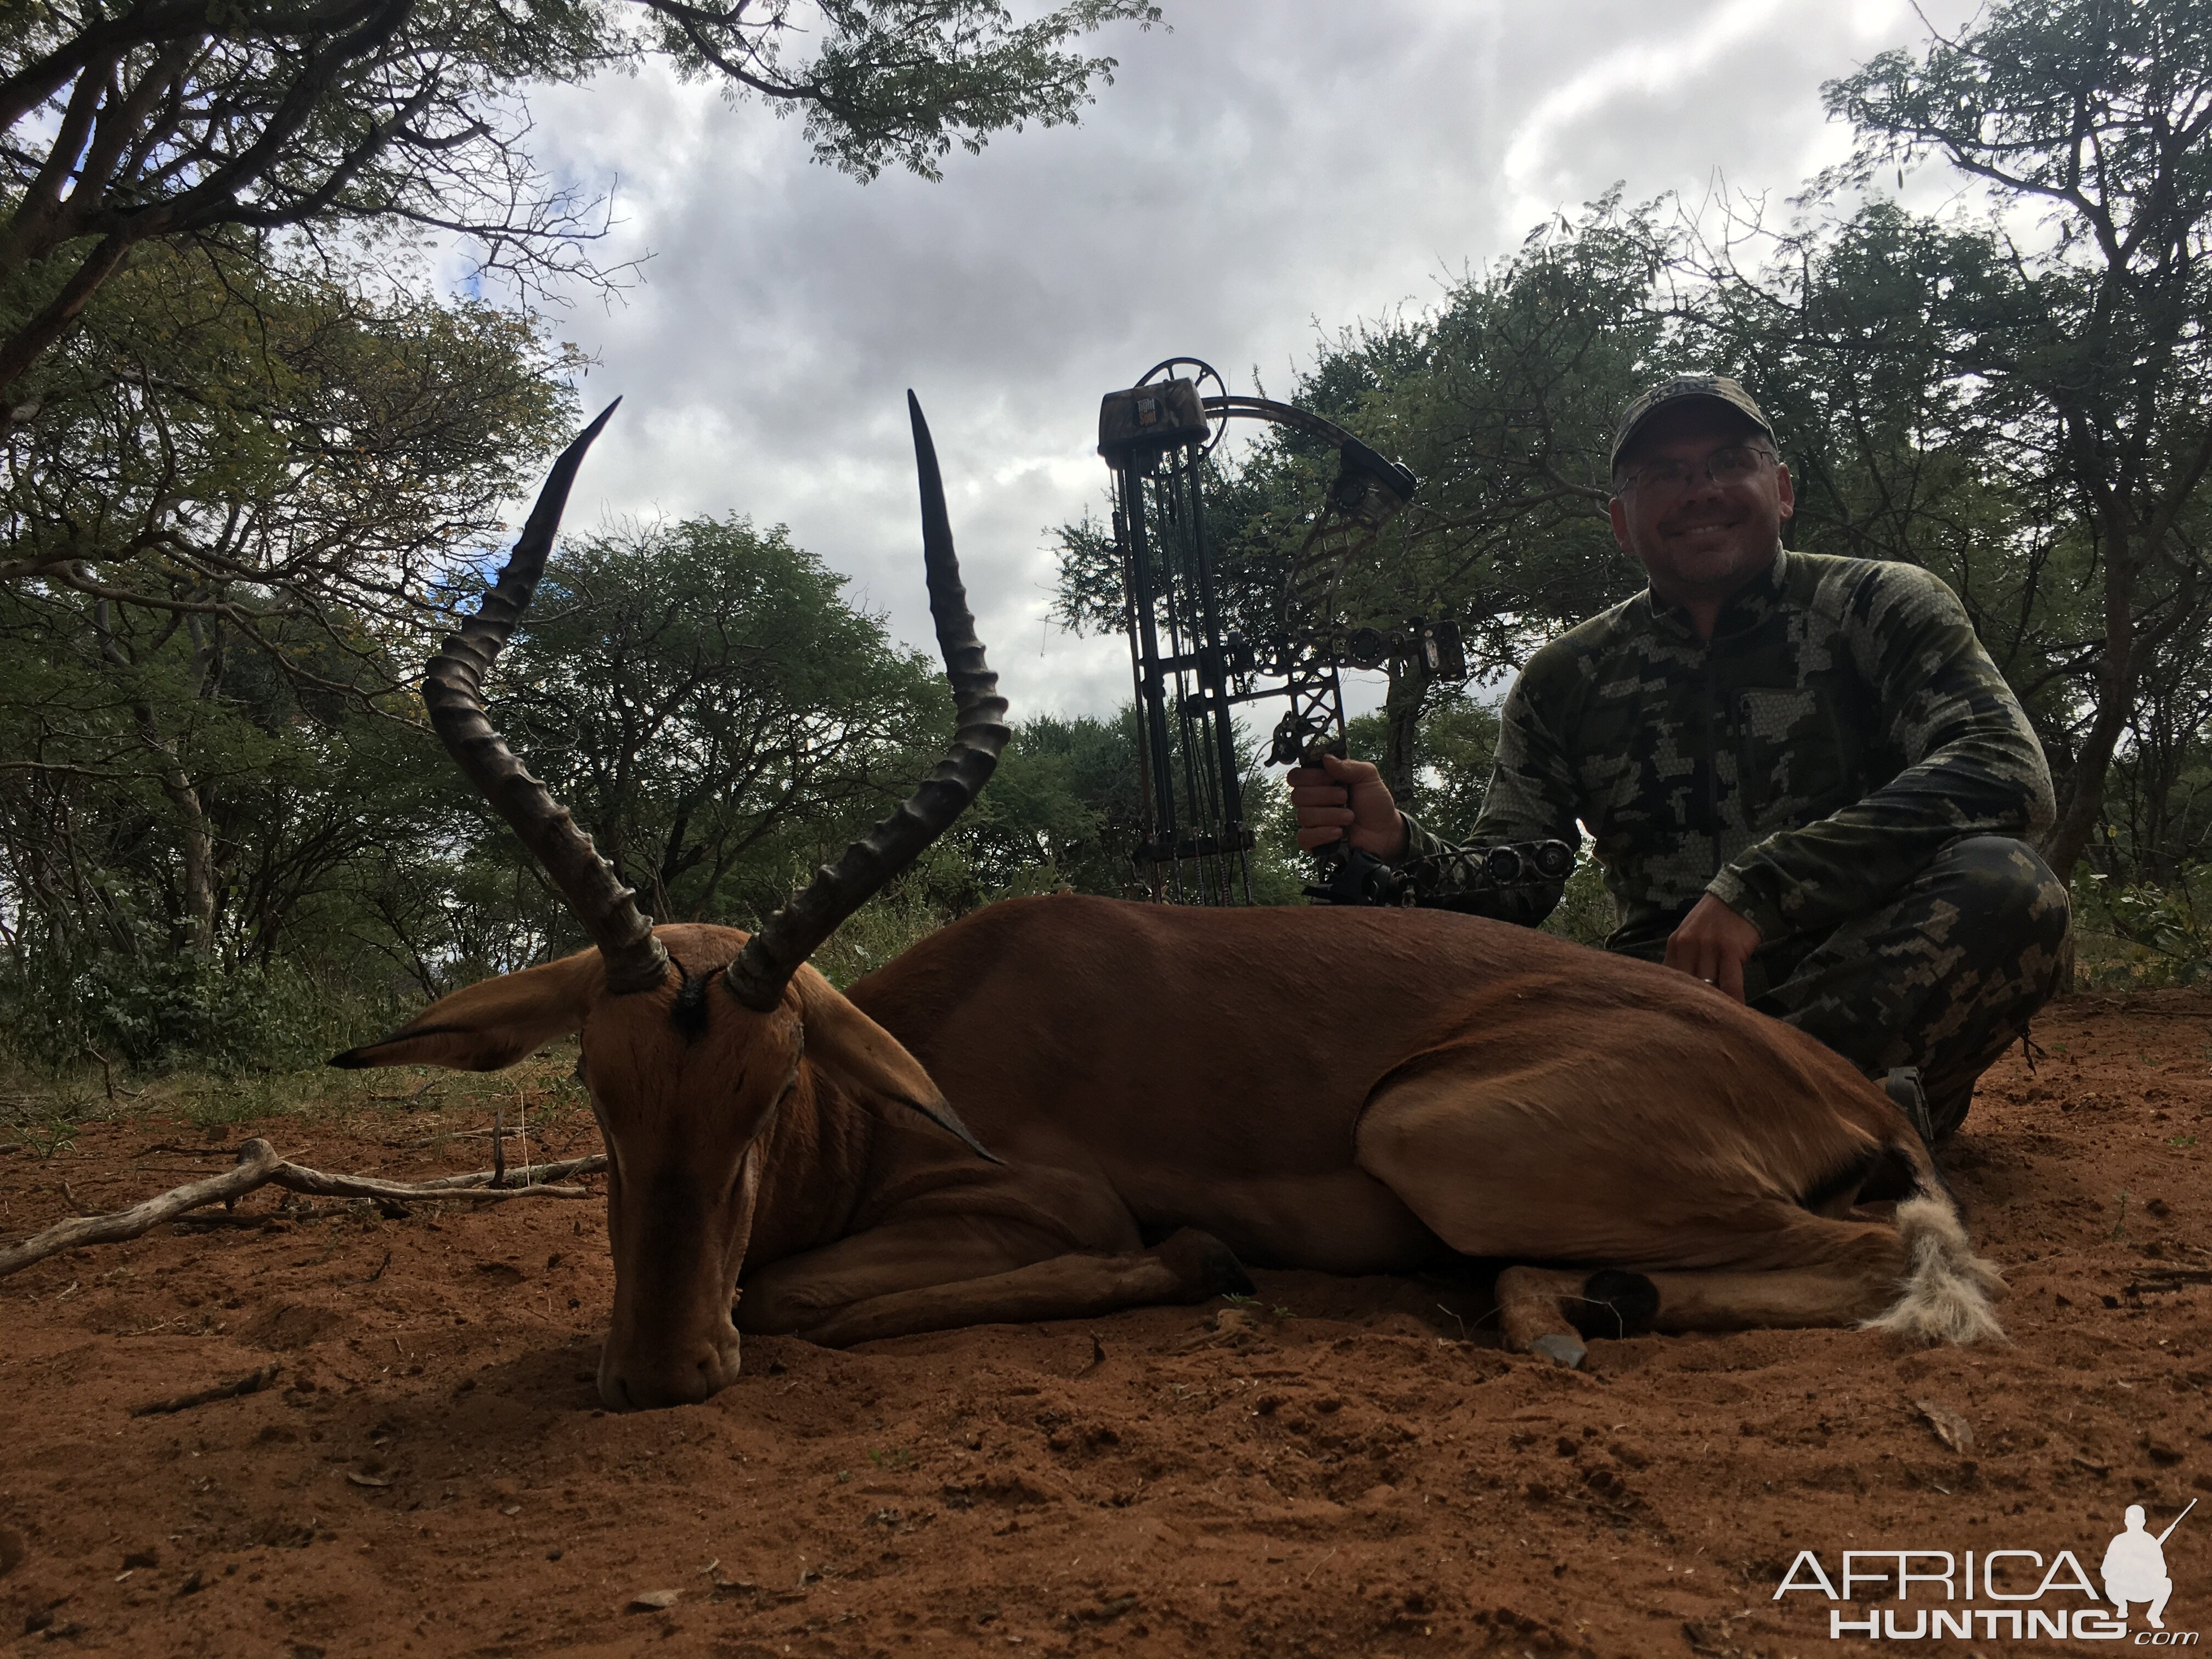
(251,1382)
(416,1092)
(107,1078)
(258,1165)
(478,1185)
(436,1140)
(258,1161)
(437,1187)
(187,1152)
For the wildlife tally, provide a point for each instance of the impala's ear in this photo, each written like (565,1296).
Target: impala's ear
(493,1023)
(869,1058)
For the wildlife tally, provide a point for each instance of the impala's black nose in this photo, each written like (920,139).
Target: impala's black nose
(681,1377)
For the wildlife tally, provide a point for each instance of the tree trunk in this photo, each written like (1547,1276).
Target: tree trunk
(2115,677)
(194,841)
(1402,727)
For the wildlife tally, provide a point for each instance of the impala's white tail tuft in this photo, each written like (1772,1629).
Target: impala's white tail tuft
(1947,1289)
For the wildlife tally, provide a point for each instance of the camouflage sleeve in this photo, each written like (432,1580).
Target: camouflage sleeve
(1531,797)
(1972,764)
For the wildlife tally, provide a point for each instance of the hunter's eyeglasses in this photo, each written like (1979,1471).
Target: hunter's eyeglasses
(1725,467)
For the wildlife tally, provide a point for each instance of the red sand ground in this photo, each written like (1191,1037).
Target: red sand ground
(1361,1471)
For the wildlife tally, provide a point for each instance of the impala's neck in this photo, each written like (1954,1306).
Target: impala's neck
(814,1157)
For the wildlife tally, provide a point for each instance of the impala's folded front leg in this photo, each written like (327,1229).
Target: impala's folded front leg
(1548,1311)
(867,1287)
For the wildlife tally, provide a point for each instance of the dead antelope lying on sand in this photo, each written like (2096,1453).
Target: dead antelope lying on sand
(1162,1092)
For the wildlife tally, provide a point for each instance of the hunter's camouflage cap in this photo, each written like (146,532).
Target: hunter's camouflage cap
(1666,393)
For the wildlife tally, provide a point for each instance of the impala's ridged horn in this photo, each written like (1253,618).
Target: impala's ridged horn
(786,939)
(454,688)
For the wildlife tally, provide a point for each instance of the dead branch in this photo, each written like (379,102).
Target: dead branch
(415,1093)
(474,1186)
(107,1078)
(258,1165)
(188,1152)
(438,1139)
(251,1382)
(256,1162)
(475,1183)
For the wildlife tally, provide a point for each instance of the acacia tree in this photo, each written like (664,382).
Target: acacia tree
(1507,420)
(713,711)
(221,438)
(2095,115)
(246,460)
(203,744)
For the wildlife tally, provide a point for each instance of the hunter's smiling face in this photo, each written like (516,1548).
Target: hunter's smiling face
(1700,539)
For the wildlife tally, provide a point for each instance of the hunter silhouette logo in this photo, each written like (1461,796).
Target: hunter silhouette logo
(2018,1594)
(2134,1566)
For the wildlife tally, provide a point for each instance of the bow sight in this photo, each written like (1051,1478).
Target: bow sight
(1191,670)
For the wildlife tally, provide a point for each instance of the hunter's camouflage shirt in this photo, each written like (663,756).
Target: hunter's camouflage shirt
(1842,726)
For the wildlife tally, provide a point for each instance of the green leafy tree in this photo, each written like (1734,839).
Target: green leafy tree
(279,459)
(1855,336)
(202,741)
(715,713)
(1064,809)
(226,439)
(183,824)
(2097,116)
(1507,419)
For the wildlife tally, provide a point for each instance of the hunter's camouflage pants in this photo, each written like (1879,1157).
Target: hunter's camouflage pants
(1944,976)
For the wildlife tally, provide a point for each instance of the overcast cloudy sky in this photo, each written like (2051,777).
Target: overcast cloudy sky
(1259,167)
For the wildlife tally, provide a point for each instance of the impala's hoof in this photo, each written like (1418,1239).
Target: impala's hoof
(1615,1302)
(1560,1351)
(1206,1266)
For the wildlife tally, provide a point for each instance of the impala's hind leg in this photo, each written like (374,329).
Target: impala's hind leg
(1704,1236)
(1924,1282)
(1549,1311)
(1552,1311)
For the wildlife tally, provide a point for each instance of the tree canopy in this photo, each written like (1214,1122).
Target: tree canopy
(181,120)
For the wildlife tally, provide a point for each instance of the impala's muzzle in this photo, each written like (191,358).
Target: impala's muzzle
(676,1252)
(646,1376)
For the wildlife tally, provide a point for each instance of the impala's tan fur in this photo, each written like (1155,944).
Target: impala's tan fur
(1360,1092)
(1947,1288)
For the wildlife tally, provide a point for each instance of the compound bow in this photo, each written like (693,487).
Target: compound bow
(1190,674)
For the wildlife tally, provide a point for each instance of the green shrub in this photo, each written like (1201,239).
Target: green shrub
(154,1015)
(2138,935)
(1586,913)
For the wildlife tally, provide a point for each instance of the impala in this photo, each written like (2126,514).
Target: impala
(1059,1107)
